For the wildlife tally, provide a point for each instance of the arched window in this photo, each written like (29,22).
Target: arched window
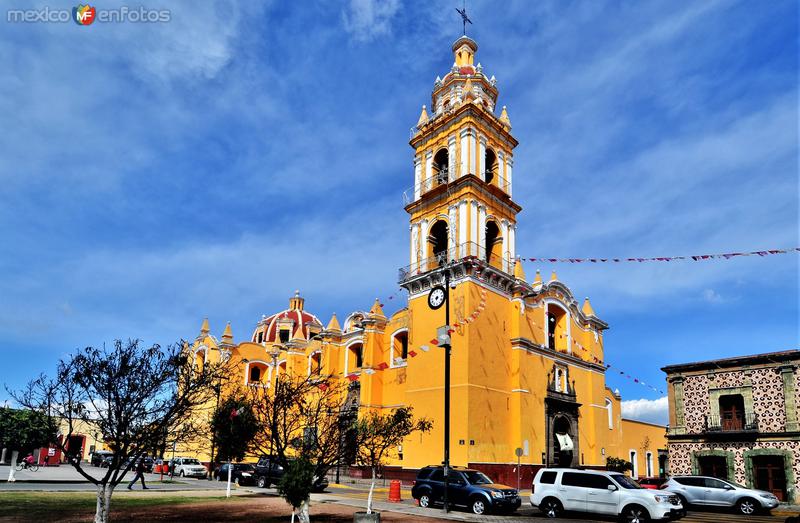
(255,374)
(557,330)
(437,241)
(284,335)
(260,337)
(648,463)
(494,244)
(610,409)
(355,357)
(399,347)
(315,364)
(490,164)
(441,163)
(281,369)
(634,462)
(199,359)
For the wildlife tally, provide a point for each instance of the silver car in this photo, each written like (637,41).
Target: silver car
(714,492)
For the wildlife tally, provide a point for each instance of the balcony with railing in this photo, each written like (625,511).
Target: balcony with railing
(456,253)
(737,423)
(441,177)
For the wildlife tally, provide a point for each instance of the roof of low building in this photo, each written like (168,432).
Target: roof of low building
(736,361)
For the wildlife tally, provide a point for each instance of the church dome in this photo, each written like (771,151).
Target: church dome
(293,323)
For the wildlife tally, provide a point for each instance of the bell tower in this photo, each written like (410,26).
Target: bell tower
(460,206)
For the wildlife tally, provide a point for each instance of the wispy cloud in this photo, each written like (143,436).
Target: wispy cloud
(368,19)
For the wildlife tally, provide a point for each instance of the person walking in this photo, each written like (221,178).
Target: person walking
(139,475)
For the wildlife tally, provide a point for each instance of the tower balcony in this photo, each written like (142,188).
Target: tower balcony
(440,181)
(468,252)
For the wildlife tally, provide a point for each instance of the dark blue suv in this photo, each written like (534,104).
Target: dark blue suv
(466,487)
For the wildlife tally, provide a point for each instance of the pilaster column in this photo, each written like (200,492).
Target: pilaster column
(451,155)
(473,227)
(415,251)
(464,164)
(423,240)
(462,228)
(481,158)
(428,171)
(512,238)
(789,397)
(417,177)
(482,231)
(509,165)
(453,230)
(504,233)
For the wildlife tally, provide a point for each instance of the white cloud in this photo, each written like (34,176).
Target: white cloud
(712,296)
(368,19)
(652,411)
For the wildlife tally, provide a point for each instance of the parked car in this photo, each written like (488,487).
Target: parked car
(101,458)
(269,472)
(651,483)
(189,467)
(713,492)
(557,490)
(241,473)
(466,487)
(148,463)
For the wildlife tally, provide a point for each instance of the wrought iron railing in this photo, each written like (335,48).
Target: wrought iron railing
(461,252)
(747,422)
(439,178)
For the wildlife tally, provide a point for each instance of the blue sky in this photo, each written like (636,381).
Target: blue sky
(154,174)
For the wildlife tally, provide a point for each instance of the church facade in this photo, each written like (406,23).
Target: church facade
(527,366)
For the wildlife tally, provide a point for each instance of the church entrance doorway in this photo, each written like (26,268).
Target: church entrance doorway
(563,445)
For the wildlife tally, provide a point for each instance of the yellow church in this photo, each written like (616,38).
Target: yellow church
(527,357)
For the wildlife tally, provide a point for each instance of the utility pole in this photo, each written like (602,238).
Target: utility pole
(447,389)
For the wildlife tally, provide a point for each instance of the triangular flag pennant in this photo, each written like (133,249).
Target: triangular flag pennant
(412,353)
(352,377)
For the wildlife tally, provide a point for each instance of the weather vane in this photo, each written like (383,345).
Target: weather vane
(464,18)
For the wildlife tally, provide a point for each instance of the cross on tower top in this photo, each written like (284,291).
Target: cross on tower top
(464,18)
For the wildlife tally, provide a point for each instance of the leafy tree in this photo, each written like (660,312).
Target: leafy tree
(378,435)
(618,465)
(133,394)
(233,425)
(295,487)
(24,430)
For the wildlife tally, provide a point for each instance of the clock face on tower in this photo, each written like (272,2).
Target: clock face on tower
(436,297)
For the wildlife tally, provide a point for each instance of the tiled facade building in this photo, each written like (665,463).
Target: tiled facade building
(737,419)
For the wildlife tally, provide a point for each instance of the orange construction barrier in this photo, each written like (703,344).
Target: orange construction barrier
(394,491)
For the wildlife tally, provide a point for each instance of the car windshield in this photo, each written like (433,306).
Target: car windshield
(733,483)
(626,482)
(478,478)
(243,466)
(191,462)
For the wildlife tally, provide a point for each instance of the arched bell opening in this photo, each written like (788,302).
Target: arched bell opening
(437,244)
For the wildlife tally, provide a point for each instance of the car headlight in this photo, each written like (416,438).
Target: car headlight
(661,499)
(247,474)
(767,495)
(497,494)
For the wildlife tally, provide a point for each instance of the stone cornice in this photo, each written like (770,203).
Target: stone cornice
(445,191)
(536,348)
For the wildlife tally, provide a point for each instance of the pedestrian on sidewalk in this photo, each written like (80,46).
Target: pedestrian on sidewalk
(139,475)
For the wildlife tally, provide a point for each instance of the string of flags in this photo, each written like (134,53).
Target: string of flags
(698,257)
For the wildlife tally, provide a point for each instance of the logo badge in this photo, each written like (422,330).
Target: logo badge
(83,14)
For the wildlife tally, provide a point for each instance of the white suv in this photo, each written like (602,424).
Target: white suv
(189,467)
(599,492)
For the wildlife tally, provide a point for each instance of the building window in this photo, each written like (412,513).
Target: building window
(560,379)
(635,471)
(255,374)
(648,463)
(731,411)
(557,335)
(493,242)
(399,347)
(610,409)
(260,337)
(441,164)
(284,335)
(490,162)
(355,356)
(437,240)
(315,364)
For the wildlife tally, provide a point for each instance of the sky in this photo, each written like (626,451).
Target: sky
(156,173)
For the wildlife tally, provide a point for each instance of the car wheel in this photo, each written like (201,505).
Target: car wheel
(635,514)
(425,501)
(683,502)
(478,506)
(181,474)
(261,482)
(747,506)
(551,507)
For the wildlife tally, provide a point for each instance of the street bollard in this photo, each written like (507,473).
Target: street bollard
(394,491)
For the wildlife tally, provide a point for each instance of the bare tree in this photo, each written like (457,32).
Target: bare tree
(132,394)
(301,416)
(379,435)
